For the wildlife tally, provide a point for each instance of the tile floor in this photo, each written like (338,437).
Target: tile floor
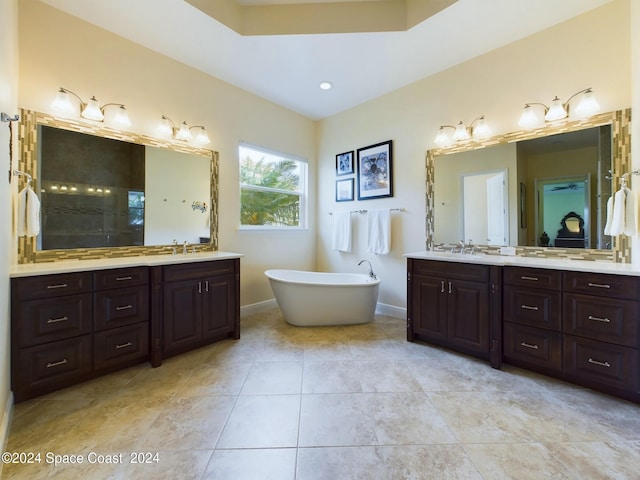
(332,403)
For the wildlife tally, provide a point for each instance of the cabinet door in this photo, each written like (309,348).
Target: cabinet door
(218,305)
(182,315)
(468,316)
(429,308)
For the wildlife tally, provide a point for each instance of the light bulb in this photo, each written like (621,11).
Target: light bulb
(528,119)
(556,111)
(62,103)
(92,110)
(588,105)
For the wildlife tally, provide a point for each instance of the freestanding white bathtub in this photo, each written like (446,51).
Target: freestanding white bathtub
(318,299)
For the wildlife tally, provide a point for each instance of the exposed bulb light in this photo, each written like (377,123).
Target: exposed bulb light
(326,85)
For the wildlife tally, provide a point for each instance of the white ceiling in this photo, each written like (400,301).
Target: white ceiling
(287,69)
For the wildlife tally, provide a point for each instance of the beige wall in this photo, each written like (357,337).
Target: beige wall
(9,105)
(592,50)
(58,50)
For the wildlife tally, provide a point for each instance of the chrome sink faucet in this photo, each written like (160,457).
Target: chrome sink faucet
(371,274)
(184,248)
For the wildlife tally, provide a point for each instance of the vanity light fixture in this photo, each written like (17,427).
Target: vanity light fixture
(91,110)
(558,110)
(477,129)
(326,85)
(168,128)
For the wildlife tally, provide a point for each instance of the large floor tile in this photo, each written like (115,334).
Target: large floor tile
(262,421)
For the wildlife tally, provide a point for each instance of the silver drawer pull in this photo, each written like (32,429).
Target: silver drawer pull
(124,307)
(528,345)
(124,345)
(441,286)
(598,319)
(59,285)
(119,279)
(59,319)
(602,364)
(56,364)
(524,277)
(529,307)
(599,285)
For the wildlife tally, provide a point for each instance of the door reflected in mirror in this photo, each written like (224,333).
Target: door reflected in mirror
(544,179)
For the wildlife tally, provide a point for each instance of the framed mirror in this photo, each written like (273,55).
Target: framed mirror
(578,164)
(108,193)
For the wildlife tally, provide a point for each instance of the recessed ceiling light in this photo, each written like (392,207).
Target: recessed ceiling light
(326,85)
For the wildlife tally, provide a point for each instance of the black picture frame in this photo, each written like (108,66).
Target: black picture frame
(345,190)
(375,171)
(344,163)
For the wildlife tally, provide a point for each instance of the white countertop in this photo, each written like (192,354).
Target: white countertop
(532,262)
(67,266)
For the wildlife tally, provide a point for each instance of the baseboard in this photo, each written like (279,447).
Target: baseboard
(6,425)
(381,309)
(391,310)
(258,307)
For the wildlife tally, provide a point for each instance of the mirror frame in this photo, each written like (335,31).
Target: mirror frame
(620,122)
(28,162)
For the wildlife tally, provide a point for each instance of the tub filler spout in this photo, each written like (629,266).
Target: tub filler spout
(371,274)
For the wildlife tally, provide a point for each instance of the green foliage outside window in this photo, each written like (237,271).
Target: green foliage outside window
(270,189)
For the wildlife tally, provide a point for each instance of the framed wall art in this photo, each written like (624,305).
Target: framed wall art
(375,172)
(344,163)
(344,190)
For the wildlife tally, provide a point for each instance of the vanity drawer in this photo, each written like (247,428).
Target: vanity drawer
(605,319)
(458,271)
(532,277)
(121,345)
(53,365)
(197,270)
(120,277)
(532,346)
(533,307)
(122,306)
(601,363)
(615,286)
(42,286)
(50,319)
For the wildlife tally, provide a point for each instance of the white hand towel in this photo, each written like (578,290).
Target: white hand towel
(28,213)
(607,226)
(617,222)
(341,239)
(631,213)
(379,231)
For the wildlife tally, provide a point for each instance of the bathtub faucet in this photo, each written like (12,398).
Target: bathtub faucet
(371,274)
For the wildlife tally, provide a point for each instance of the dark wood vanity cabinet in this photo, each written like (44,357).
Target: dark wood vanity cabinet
(70,327)
(532,315)
(51,332)
(601,335)
(121,317)
(449,305)
(200,304)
